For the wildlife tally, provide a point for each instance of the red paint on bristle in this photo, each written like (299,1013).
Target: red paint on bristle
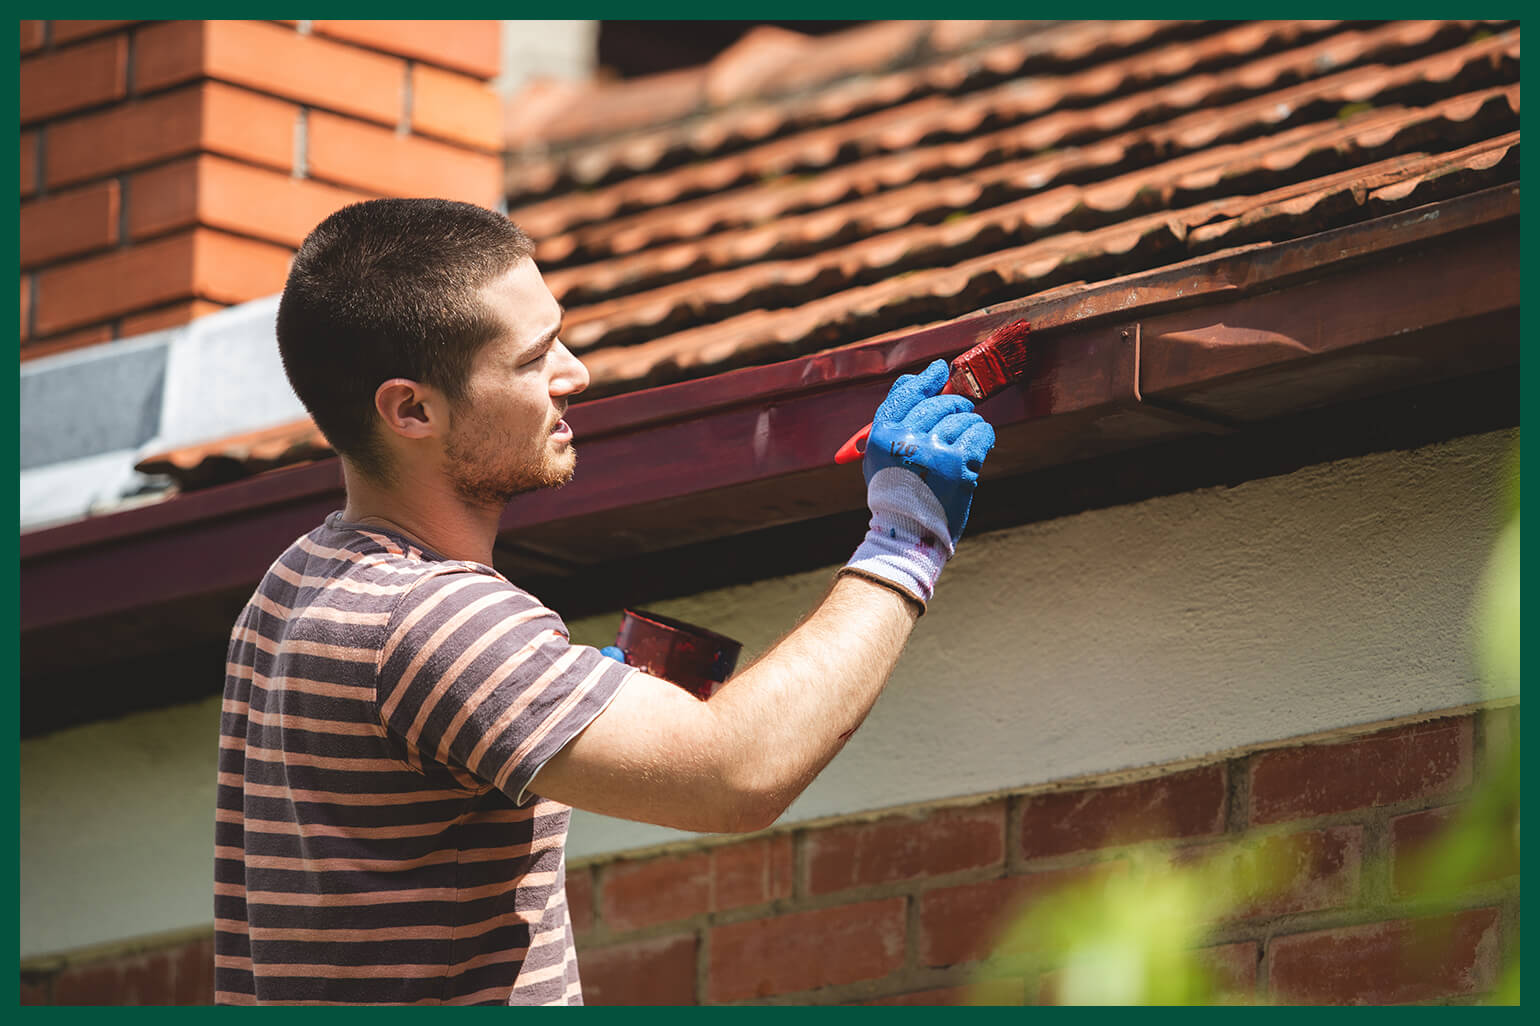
(993,363)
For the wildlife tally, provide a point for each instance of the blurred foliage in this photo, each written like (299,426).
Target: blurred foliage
(1136,934)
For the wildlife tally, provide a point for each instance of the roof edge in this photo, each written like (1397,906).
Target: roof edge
(746,430)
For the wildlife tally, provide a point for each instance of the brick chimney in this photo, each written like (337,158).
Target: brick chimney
(169,169)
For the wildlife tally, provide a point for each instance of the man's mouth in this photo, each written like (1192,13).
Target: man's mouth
(562,430)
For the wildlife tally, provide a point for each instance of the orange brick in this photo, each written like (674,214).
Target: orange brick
(94,335)
(1388,963)
(26,304)
(166,317)
(69,223)
(657,971)
(231,270)
(266,204)
(1186,804)
(28,163)
(657,890)
(904,847)
(354,154)
(72,79)
(751,872)
(456,107)
(1413,837)
(134,133)
(69,31)
(115,283)
(1420,761)
(806,950)
(273,59)
(211,116)
(168,53)
(163,199)
(1282,873)
(971,921)
(235,197)
(243,125)
(199,264)
(471,46)
(33,33)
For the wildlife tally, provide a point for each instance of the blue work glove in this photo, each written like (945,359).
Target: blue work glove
(614,653)
(921,465)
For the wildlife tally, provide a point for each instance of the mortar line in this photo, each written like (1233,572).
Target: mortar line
(404,127)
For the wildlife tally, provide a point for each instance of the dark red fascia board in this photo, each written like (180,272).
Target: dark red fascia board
(1197,347)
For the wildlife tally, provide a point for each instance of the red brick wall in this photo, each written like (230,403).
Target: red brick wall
(169,169)
(905,908)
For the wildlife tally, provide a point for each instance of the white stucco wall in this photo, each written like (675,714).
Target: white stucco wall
(1117,638)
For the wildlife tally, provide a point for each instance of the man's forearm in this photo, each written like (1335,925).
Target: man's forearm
(790,712)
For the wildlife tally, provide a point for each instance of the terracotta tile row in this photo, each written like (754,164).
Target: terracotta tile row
(1131,122)
(226,459)
(722,131)
(897,232)
(736,129)
(1158,239)
(773,63)
(1256,164)
(1132,79)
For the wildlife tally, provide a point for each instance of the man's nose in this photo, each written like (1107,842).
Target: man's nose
(571,376)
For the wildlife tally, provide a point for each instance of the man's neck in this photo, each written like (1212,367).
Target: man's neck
(425,512)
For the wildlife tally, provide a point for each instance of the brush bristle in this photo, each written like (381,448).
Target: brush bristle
(1010,345)
(994,363)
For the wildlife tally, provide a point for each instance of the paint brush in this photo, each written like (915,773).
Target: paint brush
(978,374)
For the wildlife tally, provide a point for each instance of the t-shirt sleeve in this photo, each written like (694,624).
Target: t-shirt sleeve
(477,673)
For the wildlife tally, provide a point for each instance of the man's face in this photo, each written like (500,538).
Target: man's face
(507,436)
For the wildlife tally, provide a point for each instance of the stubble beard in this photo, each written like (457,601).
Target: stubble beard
(487,483)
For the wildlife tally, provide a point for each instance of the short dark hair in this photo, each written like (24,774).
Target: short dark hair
(389,288)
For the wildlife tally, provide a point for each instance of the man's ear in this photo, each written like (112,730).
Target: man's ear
(410,408)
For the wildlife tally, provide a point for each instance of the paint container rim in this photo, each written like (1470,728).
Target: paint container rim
(682,626)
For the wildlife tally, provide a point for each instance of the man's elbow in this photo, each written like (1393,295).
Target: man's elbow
(750,809)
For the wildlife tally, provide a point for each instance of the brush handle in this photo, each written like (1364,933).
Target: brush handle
(855,446)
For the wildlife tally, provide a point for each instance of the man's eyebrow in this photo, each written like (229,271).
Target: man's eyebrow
(546,338)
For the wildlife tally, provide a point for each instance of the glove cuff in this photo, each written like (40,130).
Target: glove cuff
(907,541)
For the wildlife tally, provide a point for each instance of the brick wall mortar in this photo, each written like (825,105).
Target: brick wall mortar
(1375,885)
(404,126)
(1015,812)
(1238,795)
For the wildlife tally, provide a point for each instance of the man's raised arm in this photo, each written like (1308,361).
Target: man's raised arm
(734,763)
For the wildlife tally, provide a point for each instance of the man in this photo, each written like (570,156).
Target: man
(405,731)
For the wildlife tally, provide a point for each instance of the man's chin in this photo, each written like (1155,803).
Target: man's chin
(558,472)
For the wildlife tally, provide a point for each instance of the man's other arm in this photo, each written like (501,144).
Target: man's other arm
(733,763)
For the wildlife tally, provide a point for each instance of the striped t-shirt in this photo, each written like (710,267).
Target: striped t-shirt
(385,710)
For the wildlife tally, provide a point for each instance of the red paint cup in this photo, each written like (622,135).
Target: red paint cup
(696,659)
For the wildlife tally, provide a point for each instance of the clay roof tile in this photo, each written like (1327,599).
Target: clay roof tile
(800,194)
